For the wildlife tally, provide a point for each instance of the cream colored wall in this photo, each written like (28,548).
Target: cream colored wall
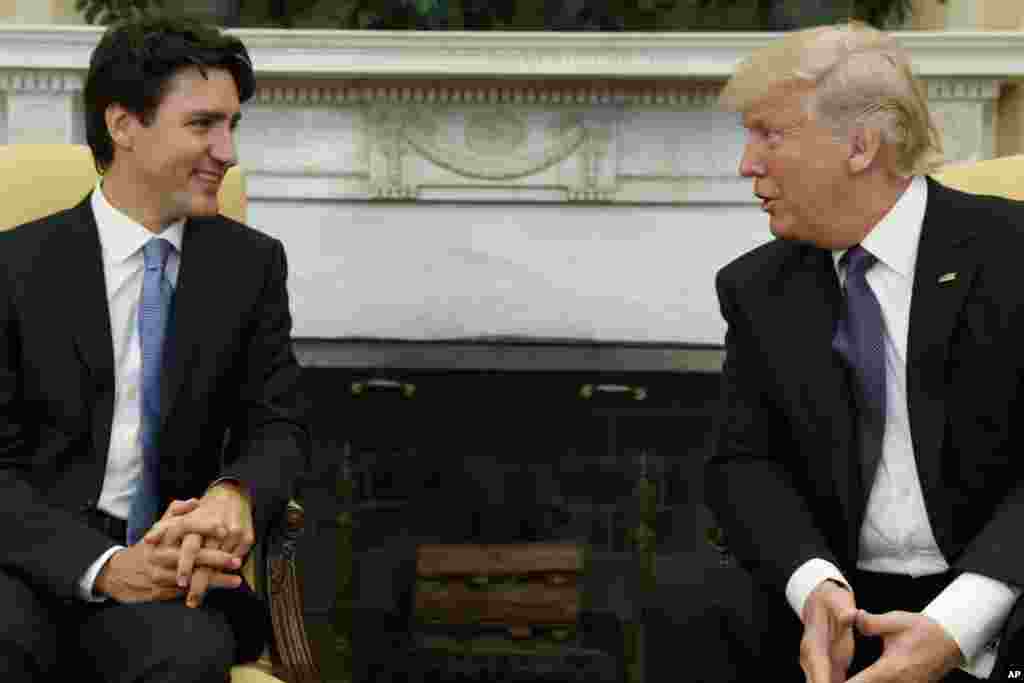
(39,12)
(64,12)
(984,14)
(928,15)
(1001,14)
(1006,15)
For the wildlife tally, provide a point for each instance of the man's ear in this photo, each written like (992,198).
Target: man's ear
(865,146)
(121,124)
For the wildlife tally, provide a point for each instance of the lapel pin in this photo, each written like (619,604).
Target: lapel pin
(948,277)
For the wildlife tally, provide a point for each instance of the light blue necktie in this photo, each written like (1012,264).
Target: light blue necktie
(860,339)
(154,309)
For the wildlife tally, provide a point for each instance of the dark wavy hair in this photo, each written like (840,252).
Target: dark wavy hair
(135,61)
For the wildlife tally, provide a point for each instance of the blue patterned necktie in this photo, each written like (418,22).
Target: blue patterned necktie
(860,339)
(154,309)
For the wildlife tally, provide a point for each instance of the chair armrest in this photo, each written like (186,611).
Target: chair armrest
(291,654)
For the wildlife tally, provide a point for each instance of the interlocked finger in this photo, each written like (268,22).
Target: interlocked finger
(172,531)
(190,547)
(204,578)
(238,541)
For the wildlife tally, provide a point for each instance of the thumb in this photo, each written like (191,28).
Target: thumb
(879,624)
(847,616)
(180,507)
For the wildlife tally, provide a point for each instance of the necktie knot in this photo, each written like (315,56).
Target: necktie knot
(155,253)
(858,260)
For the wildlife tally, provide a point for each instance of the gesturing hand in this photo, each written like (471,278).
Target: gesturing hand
(222,521)
(826,648)
(915,648)
(147,573)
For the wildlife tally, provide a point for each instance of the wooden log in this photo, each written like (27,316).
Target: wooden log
(439,560)
(514,605)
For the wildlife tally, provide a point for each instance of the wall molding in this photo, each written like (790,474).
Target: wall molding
(462,91)
(956,88)
(42,81)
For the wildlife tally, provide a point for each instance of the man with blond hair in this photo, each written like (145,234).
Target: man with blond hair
(867,466)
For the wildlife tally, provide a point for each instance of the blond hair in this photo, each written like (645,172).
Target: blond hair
(860,77)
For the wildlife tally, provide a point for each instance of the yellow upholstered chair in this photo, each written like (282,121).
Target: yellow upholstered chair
(41,179)
(1003,176)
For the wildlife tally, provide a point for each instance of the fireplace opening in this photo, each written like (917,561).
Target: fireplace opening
(606,462)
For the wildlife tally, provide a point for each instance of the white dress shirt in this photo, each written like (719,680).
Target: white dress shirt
(121,240)
(896,536)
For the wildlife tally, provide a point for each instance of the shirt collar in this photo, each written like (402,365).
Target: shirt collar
(121,236)
(893,240)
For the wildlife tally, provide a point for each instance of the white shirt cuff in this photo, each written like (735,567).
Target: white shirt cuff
(806,578)
(85,584)
(972,609)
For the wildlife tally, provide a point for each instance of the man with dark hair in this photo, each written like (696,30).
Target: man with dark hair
(145,365)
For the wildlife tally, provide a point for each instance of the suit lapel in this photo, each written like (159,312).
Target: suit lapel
(812,300)
(89,312)
(946,266)
(196,282)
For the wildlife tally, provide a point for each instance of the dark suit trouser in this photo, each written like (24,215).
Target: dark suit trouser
(42,639)
(163,641)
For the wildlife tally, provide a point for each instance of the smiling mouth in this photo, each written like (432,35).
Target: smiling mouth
(212,178)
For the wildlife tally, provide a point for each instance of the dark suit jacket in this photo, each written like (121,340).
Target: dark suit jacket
(783,480)
(229,385)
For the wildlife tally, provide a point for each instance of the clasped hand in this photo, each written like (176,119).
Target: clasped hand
(195,546)
(915,648)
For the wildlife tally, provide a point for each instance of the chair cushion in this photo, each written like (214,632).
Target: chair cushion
(1003,176)
(253,672)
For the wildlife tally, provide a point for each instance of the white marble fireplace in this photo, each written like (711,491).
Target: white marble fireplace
(453,186)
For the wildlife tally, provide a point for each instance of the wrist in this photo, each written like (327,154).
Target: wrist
(101,586)
(231,486)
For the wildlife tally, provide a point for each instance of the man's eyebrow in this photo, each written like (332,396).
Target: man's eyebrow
(214,114)
(752,121)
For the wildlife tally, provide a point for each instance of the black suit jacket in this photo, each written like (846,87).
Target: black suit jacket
(229,385)
(783,480)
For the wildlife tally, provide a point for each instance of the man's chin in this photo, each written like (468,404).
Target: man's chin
(779,229)
(205,207)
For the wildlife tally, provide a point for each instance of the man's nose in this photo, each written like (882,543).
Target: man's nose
(224,149)
(751,165)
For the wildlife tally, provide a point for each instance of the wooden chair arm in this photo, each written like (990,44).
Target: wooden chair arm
(290,652)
